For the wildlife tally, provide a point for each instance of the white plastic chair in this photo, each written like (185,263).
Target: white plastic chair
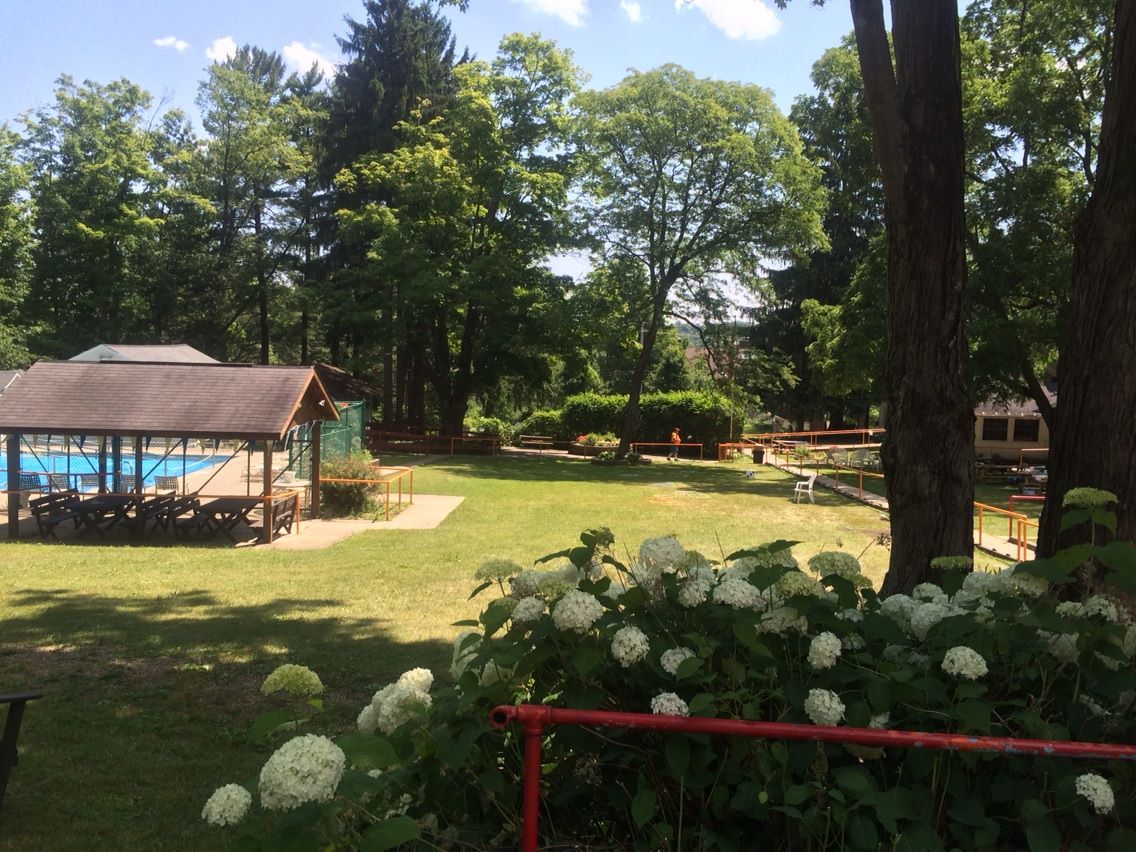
(804,487)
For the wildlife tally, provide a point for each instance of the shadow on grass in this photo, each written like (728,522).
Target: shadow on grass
(147,703)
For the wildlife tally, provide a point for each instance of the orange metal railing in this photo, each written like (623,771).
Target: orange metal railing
(385,482)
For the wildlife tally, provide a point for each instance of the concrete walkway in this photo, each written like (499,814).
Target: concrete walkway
(427,512)
(992,542)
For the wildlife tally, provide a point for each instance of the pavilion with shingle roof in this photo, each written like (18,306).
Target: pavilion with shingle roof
(117,399)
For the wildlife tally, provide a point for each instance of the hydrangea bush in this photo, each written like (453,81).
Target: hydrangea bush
(752,637)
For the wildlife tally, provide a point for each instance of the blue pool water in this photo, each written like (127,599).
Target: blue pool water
(152,465)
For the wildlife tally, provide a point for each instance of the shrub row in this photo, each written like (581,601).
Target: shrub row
(704,417)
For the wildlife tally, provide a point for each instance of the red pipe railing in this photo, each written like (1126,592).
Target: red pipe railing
(536,717)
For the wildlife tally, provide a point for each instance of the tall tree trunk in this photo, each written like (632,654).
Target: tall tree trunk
(1093,442)
(631,417)
(916,116)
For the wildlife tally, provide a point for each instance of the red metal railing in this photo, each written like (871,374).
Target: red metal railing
(536,717)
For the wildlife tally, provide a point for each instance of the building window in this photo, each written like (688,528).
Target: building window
(995,429)
(1027,431)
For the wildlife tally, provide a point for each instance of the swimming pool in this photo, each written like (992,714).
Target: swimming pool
(152,465)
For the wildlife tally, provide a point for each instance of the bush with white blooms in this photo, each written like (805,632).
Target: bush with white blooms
(755,637)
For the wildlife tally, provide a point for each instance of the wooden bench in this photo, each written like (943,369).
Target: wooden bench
(283,515)
(52,510)
(536,442)
(173,515)
(9,755)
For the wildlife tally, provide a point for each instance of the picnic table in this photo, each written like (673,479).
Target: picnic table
(224,513)
(104,512)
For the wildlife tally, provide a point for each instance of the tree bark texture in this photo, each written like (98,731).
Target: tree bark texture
(916,115)
(1094,439)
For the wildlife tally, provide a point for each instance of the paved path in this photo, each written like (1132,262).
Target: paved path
(992,542)
(427,512)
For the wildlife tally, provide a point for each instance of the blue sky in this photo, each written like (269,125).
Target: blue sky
(165,46)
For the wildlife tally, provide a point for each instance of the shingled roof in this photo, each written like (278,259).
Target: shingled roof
(163,400)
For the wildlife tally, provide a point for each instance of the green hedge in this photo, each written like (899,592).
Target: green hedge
(704,417)
(547,422)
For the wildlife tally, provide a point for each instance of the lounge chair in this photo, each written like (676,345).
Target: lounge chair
(167,483)
(89,481)
(58,482)
(126,483)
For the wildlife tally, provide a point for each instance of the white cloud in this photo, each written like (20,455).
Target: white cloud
(746,19)
(222,49)
(569,11)
(172,41)
(633,9)
(300,58)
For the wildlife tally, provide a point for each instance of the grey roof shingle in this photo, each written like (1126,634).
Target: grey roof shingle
(163,400)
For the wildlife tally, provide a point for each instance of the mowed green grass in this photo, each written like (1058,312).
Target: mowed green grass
(150,657)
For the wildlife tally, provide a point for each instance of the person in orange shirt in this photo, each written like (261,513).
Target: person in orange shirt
(676,439)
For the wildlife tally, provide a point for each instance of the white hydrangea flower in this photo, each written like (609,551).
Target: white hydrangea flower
(853,642)
(629,645)
(669,704)
(577,611)
(1088,498)
(930,593)
(984,583)
(1098,792)
(227,806)
(880,720)
(304,769)
(837,562)
(293,679)
(399,702)
(561,579)
(528,609)
(672,659)
(1063,646)
(1094,708)
(697,585)
(853,615)
(824,707)
(964,662)
(662,554)
(1101,606)
(738,593)
(367,721)
(782,620)
(898,608)
(1070,609)
(526,584)
(918,660)
(491,673)
(796,583)
(1026,585)
(418,678)
(823,651)
(925,616)
(497,569)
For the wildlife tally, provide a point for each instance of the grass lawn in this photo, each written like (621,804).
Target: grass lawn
(150,657)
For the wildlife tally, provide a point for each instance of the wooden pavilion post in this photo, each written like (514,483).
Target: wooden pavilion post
(102,464)
(266,530)
(315,466)
(13,486)
(137,464)
(116,464)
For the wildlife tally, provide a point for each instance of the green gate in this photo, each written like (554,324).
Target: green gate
(337,440)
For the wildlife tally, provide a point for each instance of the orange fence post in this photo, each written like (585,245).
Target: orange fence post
(979,524)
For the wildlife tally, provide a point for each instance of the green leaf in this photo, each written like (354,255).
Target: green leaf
(479,590)
(974,714)
(703,704)
(780,753)
(863,832)
(317,703)
(1105,518)
(879,695)
(390,833)
(687,668)
(495,615)
(1072,517)
(1121,839)
(266,724)
(968,812)
(585,658)
(644,804)
(1120,556)
(919,837)
(797,794)
(854,780)
(1043,836)
(467,622)
(1033,810)
(1048,569)
(677,751)
(367,751)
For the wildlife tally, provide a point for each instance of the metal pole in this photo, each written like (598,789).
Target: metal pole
(13,487)
(266,530)
(314,448)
